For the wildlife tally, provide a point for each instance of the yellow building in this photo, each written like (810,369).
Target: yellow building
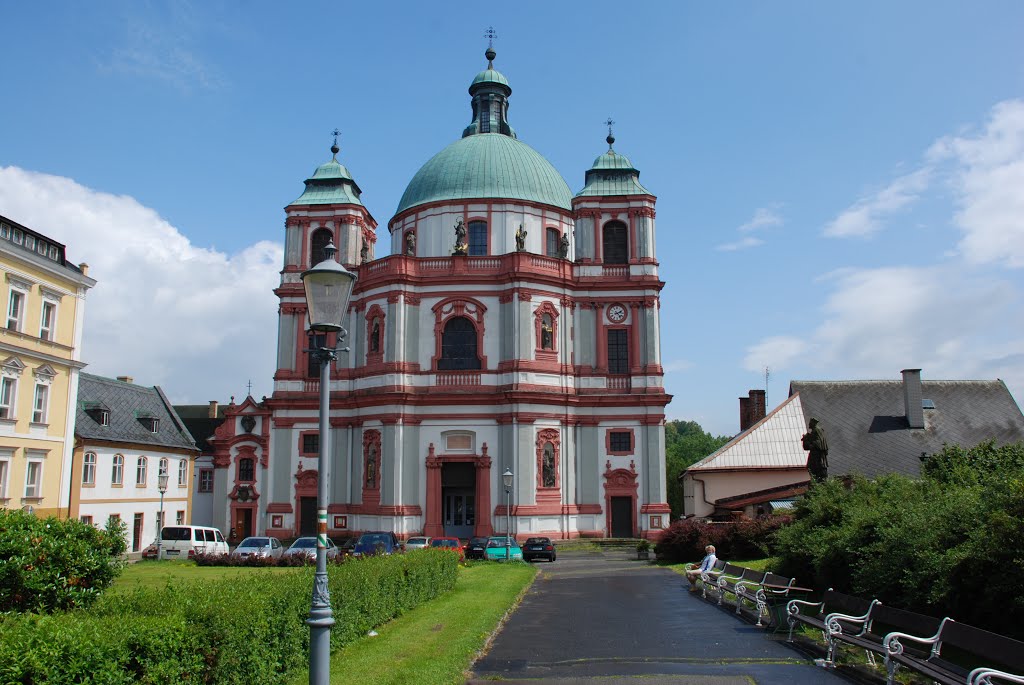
(40,360)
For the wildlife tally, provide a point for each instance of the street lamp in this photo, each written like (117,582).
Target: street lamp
(161,484)
(328,286)
(507,478)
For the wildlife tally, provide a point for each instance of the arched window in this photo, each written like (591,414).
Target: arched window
(163,467)
(477,238)
(247,469)
(117,470)
(89,469)
(552,238)
(616,244)
(317,243)
(141,466)
(183,473)
(548,466)
(458,346)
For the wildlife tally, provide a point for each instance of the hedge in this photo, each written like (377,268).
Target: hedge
(248,629)
(747,539)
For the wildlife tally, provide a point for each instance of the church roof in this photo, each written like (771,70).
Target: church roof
(612,174)
(490,76)
(330,184)
(487,166)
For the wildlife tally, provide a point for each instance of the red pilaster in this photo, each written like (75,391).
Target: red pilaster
(601,360)
(634,333)
(483,495)
(432,515)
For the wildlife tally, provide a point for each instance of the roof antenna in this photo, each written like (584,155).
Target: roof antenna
(767,375)
(611,139)
(334,148)
(490,34)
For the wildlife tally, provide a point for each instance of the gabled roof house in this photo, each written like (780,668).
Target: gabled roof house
(873,427)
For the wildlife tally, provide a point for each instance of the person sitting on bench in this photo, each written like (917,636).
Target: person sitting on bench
(705,565)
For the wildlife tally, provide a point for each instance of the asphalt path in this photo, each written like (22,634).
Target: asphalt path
(598,616)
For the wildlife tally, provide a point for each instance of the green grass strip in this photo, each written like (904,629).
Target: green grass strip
(156,574)
(434,643)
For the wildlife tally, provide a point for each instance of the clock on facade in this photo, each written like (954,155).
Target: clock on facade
(616,313)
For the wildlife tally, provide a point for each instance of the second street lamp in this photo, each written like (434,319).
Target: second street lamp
(161,484)
(507,479)
(328,287)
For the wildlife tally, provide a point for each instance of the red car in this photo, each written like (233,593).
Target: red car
(449,543)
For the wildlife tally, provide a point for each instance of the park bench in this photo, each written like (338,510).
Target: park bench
(766,596)
(710,574)
(869,632)
(727,583)
(817,614)
(709,579)
(969,644)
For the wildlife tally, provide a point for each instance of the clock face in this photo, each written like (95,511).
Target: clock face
(617,313)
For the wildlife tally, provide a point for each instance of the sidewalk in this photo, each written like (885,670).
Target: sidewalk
(598,616)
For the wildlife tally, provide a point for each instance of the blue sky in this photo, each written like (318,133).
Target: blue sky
(839,186)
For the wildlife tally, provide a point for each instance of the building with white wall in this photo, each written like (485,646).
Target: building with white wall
(514,326)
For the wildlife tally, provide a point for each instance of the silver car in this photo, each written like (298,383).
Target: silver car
(259,546)
(418,542)
(307,546)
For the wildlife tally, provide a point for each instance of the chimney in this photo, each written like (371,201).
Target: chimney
(213,409)
(126,379)
(912,397)
(84,268)
(752,409)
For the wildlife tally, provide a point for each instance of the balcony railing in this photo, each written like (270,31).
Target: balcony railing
(458,379)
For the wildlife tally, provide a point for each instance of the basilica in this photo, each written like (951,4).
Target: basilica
(512,329)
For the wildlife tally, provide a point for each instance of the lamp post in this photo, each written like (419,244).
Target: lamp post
(161,484)
(328,286)
(507,479)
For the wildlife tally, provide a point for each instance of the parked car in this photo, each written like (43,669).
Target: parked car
(259,546)
(418,542)
(538,548)
(476,548)
(307,546)
(449,543)
(496,549)
(346,546)
(150,552)
(184,542)
(376,542)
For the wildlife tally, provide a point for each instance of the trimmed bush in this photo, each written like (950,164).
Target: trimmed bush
(747,539)
(248,629)
(51,564)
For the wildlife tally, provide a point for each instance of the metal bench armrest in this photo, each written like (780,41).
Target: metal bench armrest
(984,676)
(834,627)
(891,642)
(793,606)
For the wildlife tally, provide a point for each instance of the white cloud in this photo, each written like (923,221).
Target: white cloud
(988,179)
(763,216)
(866,216)
(741,244)
(947,320)
(190,319)
(776,353)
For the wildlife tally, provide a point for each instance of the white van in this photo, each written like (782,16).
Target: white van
(184,542)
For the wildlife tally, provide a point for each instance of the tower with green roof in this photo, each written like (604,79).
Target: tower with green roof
(513,326)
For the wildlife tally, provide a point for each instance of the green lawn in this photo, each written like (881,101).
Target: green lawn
(436,642)
(158,573)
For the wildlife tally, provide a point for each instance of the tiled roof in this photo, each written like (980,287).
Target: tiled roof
(772,442)
(126,403)
(865,421)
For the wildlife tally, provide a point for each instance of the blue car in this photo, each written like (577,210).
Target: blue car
(376,542)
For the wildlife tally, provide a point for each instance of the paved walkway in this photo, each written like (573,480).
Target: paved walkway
(598,616)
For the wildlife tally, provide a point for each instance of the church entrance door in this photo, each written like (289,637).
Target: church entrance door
(458,499)
(622,517)
(307,516)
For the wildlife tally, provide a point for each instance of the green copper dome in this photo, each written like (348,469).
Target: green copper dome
(490,76)
(612,174)
(487,166)
(330,184)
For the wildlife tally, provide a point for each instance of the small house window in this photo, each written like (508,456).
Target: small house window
(477,238)
(205,480)
(551,243)
(117,470)
(141,466)
(311,443)
(183,473)
(620,441)
(151,423)
(89,469)
(247,469)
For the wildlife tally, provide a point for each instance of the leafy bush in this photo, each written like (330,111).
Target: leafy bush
(248,629)
(685,540)
(50,564)
(946,545)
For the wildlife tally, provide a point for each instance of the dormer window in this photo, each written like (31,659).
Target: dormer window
(151,423)
(99,412)
(104,417)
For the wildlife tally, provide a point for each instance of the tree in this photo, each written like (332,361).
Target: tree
(686,443)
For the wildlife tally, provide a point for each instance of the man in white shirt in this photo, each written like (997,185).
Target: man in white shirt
(706,564)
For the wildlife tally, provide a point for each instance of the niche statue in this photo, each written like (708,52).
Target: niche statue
(460,237)
(520,239)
